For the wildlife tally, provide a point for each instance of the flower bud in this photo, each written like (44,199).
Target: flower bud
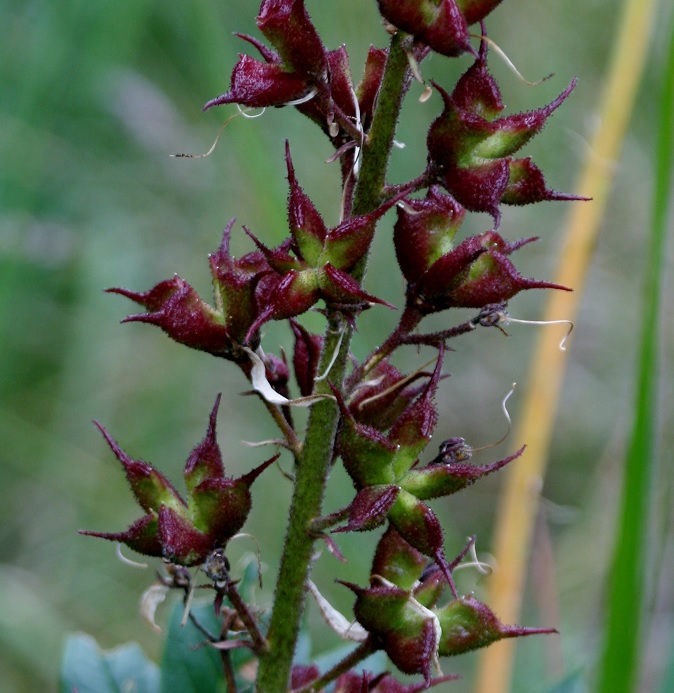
(370,507)
(175,307)
(365,682)
(368,89)
(397,561)
(299,67)
(235,281)
(370,457)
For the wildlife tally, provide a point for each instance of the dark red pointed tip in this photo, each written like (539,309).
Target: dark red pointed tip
(441,560)
(217,101)
(127,293)
(114,446)
(214,415)
(249,478)
(263,317)
(140,317)
(522,631)
(289,164)
(352,586)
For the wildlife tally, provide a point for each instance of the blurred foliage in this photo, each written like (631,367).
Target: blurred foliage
(94,98)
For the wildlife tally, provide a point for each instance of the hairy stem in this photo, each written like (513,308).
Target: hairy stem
(313,466)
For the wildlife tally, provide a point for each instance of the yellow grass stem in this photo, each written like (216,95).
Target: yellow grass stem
(519,503)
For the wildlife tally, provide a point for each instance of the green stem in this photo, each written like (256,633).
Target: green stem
(377,149)
(313,465)
(312,471)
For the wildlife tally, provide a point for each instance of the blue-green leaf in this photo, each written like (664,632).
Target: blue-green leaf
(88,669)
(189,664)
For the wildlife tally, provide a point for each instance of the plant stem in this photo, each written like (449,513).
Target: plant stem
(314,463)
(312,471)
(377,149)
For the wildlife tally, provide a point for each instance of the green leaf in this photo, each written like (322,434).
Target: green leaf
(189,665)
(88,669)
(619,670)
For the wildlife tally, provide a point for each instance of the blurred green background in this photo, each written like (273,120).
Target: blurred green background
(94,97)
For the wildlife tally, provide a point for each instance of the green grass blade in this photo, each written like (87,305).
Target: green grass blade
(620,664)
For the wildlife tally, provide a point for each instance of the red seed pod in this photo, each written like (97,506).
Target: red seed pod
(185,532)
(287,26)
(425,231)
(470,148)
(408,631)
(439,24)
(474,274)
(468,624)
